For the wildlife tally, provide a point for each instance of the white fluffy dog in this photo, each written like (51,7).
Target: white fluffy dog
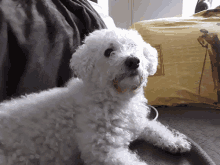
(102,110)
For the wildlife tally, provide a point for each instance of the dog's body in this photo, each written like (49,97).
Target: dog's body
(100,112)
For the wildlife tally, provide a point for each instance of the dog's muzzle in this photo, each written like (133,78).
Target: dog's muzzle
(132,74)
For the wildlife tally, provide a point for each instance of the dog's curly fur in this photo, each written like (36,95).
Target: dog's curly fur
(100,112)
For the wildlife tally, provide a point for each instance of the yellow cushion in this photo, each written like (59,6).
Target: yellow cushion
(181,59)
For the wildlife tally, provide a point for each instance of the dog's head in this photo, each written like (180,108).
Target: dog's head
(116,58)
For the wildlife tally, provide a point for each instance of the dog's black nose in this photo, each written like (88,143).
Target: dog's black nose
(132,63)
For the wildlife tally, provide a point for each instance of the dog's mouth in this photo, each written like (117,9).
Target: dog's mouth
(133,73)
(127,74)
(129,80)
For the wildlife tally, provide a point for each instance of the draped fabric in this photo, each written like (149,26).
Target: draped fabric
(37,39)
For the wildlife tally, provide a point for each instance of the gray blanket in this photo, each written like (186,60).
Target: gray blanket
(37,39)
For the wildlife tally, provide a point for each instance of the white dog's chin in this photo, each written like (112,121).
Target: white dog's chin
(130,83)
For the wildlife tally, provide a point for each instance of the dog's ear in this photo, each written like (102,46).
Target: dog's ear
(151,55)
(81,62)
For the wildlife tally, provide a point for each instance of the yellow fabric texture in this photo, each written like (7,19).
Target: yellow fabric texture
(181,58)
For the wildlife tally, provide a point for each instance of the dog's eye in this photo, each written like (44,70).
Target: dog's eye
(108,52)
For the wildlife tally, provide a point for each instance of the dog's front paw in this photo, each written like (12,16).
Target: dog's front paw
(180,143)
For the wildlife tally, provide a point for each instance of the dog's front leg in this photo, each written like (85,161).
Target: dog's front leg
(159,135)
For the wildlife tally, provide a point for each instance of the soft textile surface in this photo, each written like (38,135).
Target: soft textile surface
(155,156)
(37,39)
(185,73)
(201,123)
